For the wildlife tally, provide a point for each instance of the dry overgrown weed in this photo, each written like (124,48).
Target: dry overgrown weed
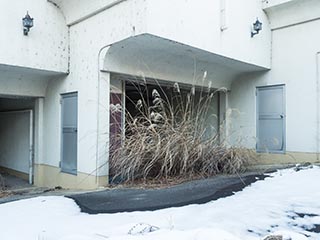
(2,183)
(174,136)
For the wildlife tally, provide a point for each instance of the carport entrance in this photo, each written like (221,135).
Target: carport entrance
(132,99)
(168,62)
(16,137)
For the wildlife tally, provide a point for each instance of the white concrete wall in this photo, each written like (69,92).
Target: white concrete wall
(38,131)
(294,64)
(14,140)
(163,18)
(198,23)
(87,38)
(83,10)
(95,25)
(46,46)
(282,13)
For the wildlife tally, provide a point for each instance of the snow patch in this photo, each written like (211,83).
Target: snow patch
(286,203)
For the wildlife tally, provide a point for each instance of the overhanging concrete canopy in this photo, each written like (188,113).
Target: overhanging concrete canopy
(10,71)
(22,81)
(154,57)
(285,13)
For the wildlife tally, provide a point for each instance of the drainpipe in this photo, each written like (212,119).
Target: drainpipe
(101,54)
(318,103)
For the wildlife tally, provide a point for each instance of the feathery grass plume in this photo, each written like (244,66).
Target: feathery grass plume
(176,87)
(175,136)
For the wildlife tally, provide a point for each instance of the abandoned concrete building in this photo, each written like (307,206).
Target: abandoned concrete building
(64,64)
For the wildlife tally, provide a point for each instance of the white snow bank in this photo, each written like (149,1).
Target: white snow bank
(287,203)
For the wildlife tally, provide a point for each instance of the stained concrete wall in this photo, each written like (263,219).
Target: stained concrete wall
(198,23)
(294,56)
(218,26)
(79,49)
(88,38)
(84,8)
(46,46)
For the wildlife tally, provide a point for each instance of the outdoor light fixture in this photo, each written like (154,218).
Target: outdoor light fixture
(27,23)
(257,27)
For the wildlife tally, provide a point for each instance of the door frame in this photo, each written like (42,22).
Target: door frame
(283,86)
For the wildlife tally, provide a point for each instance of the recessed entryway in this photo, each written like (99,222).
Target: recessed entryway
(161,103)
(17,137)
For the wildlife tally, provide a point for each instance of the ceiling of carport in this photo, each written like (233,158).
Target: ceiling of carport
(160,58)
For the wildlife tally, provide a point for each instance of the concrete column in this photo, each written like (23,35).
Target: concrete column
(103,129)
(38,140)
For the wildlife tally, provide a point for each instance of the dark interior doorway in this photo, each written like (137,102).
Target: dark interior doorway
(16,140)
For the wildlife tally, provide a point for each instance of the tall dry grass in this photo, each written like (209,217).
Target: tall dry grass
(2,183)
(172,137)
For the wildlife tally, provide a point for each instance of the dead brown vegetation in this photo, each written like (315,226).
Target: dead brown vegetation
(2,183)
(166,140)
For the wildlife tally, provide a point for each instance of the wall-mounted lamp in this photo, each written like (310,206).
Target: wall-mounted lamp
(257,27)
(27,23)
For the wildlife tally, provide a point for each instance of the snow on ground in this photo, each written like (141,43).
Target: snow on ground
(287,203)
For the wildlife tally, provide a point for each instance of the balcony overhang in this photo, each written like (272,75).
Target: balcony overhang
(22,81)
(24,73)
(286,13)
(276,3)
(162,59)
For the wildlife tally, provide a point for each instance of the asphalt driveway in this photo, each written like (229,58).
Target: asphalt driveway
(194,192)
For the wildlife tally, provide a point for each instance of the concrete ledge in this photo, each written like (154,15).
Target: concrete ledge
(286,158)
(49,176)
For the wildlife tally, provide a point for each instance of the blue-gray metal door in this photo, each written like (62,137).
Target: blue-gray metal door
(271,119)
(69,133)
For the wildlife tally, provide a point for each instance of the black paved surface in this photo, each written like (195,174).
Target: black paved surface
(195,192)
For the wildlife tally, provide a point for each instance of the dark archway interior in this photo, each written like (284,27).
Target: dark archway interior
(16,131)
(175,97)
